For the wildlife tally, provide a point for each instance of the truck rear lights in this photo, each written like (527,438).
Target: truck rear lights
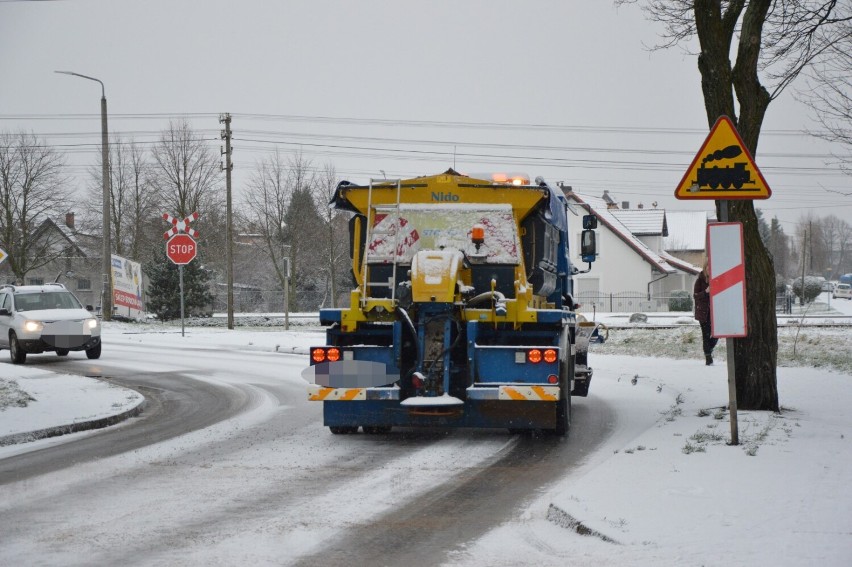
(323,354)
(318,355)
(553,379)
(536,355)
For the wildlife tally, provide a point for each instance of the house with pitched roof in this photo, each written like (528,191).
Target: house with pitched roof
(76,260)
(633,271)
(687,235)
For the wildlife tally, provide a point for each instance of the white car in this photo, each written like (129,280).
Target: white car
(843,290)
(45,318)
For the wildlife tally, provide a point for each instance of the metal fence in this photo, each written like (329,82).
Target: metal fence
(249,300)
(272,301)
(633,301)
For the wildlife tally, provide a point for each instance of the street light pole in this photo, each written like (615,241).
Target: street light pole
(106,282)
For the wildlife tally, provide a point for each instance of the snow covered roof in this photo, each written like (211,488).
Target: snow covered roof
(680,264)
(687,230)
(598,206)
(84,245)
(642,222)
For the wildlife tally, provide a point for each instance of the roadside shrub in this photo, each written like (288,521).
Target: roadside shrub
(680,300)
(812,288)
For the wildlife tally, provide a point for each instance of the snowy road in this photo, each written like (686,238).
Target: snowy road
(230,464)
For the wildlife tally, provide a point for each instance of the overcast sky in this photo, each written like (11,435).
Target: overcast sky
(563,89)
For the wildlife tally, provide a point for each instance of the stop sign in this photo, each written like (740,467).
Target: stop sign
(181,249)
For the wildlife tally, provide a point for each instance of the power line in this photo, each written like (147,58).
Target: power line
(341,120)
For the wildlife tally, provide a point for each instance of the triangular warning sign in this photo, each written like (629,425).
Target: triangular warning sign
(723,168)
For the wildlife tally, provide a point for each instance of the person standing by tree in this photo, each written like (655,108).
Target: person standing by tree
(701,294)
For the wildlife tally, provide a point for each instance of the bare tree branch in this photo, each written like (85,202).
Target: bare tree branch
(33,189)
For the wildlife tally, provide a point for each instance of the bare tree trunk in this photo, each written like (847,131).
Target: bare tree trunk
(755,356)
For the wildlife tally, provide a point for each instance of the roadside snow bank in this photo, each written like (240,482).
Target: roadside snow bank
(37,404)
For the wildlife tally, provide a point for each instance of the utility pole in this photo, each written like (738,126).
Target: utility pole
(229,247)
(804,255)
(106,248)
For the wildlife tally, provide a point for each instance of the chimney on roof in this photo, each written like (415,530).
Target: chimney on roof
(607,199)
(69,220)
(625,204)
(565,188)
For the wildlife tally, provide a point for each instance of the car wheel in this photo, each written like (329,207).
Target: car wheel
(62,352)
(94,352)
(16,353)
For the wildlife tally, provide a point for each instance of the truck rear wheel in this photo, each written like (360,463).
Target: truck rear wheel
(563,406)
(377,429)
(563,415)
(342,429)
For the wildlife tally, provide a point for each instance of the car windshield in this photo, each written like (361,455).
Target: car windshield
(46,300)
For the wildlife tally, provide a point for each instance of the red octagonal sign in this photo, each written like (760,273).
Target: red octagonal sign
(181,249)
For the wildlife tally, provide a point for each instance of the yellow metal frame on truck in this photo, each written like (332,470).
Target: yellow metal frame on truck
(422,190)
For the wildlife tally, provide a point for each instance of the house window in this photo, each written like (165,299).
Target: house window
(84,284)
(35,281)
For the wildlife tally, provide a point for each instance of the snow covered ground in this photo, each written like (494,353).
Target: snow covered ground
(669,491)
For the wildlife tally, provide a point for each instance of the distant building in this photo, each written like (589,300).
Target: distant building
(77,263)
(633,270)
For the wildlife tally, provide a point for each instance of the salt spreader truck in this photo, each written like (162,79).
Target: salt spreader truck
(463,314)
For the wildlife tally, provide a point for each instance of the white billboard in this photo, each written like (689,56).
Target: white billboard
(127,288)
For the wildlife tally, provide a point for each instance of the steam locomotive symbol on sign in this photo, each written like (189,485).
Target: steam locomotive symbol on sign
(714,177)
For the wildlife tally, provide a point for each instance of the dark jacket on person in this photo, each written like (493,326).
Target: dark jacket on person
(701,295)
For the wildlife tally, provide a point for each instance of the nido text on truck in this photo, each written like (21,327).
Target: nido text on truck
(463,314)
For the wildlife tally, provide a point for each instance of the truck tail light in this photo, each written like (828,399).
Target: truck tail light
(534,356)
(550,355)
(553,379)
(323,354)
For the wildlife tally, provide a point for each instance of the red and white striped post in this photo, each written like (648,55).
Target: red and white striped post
(728,314)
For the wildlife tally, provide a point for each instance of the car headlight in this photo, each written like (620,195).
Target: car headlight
(33,326)
(91,323)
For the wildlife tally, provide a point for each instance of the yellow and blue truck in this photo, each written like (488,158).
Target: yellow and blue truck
(463,310)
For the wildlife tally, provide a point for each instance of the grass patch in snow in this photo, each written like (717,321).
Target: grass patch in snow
(11,395)
(818,347)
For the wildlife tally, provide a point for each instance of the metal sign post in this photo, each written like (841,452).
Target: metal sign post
(181,249)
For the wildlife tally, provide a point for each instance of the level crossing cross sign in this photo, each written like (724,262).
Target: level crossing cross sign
(179,225)
(723,168)
(181,247)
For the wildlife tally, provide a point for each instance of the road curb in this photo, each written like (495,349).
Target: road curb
(29,436)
